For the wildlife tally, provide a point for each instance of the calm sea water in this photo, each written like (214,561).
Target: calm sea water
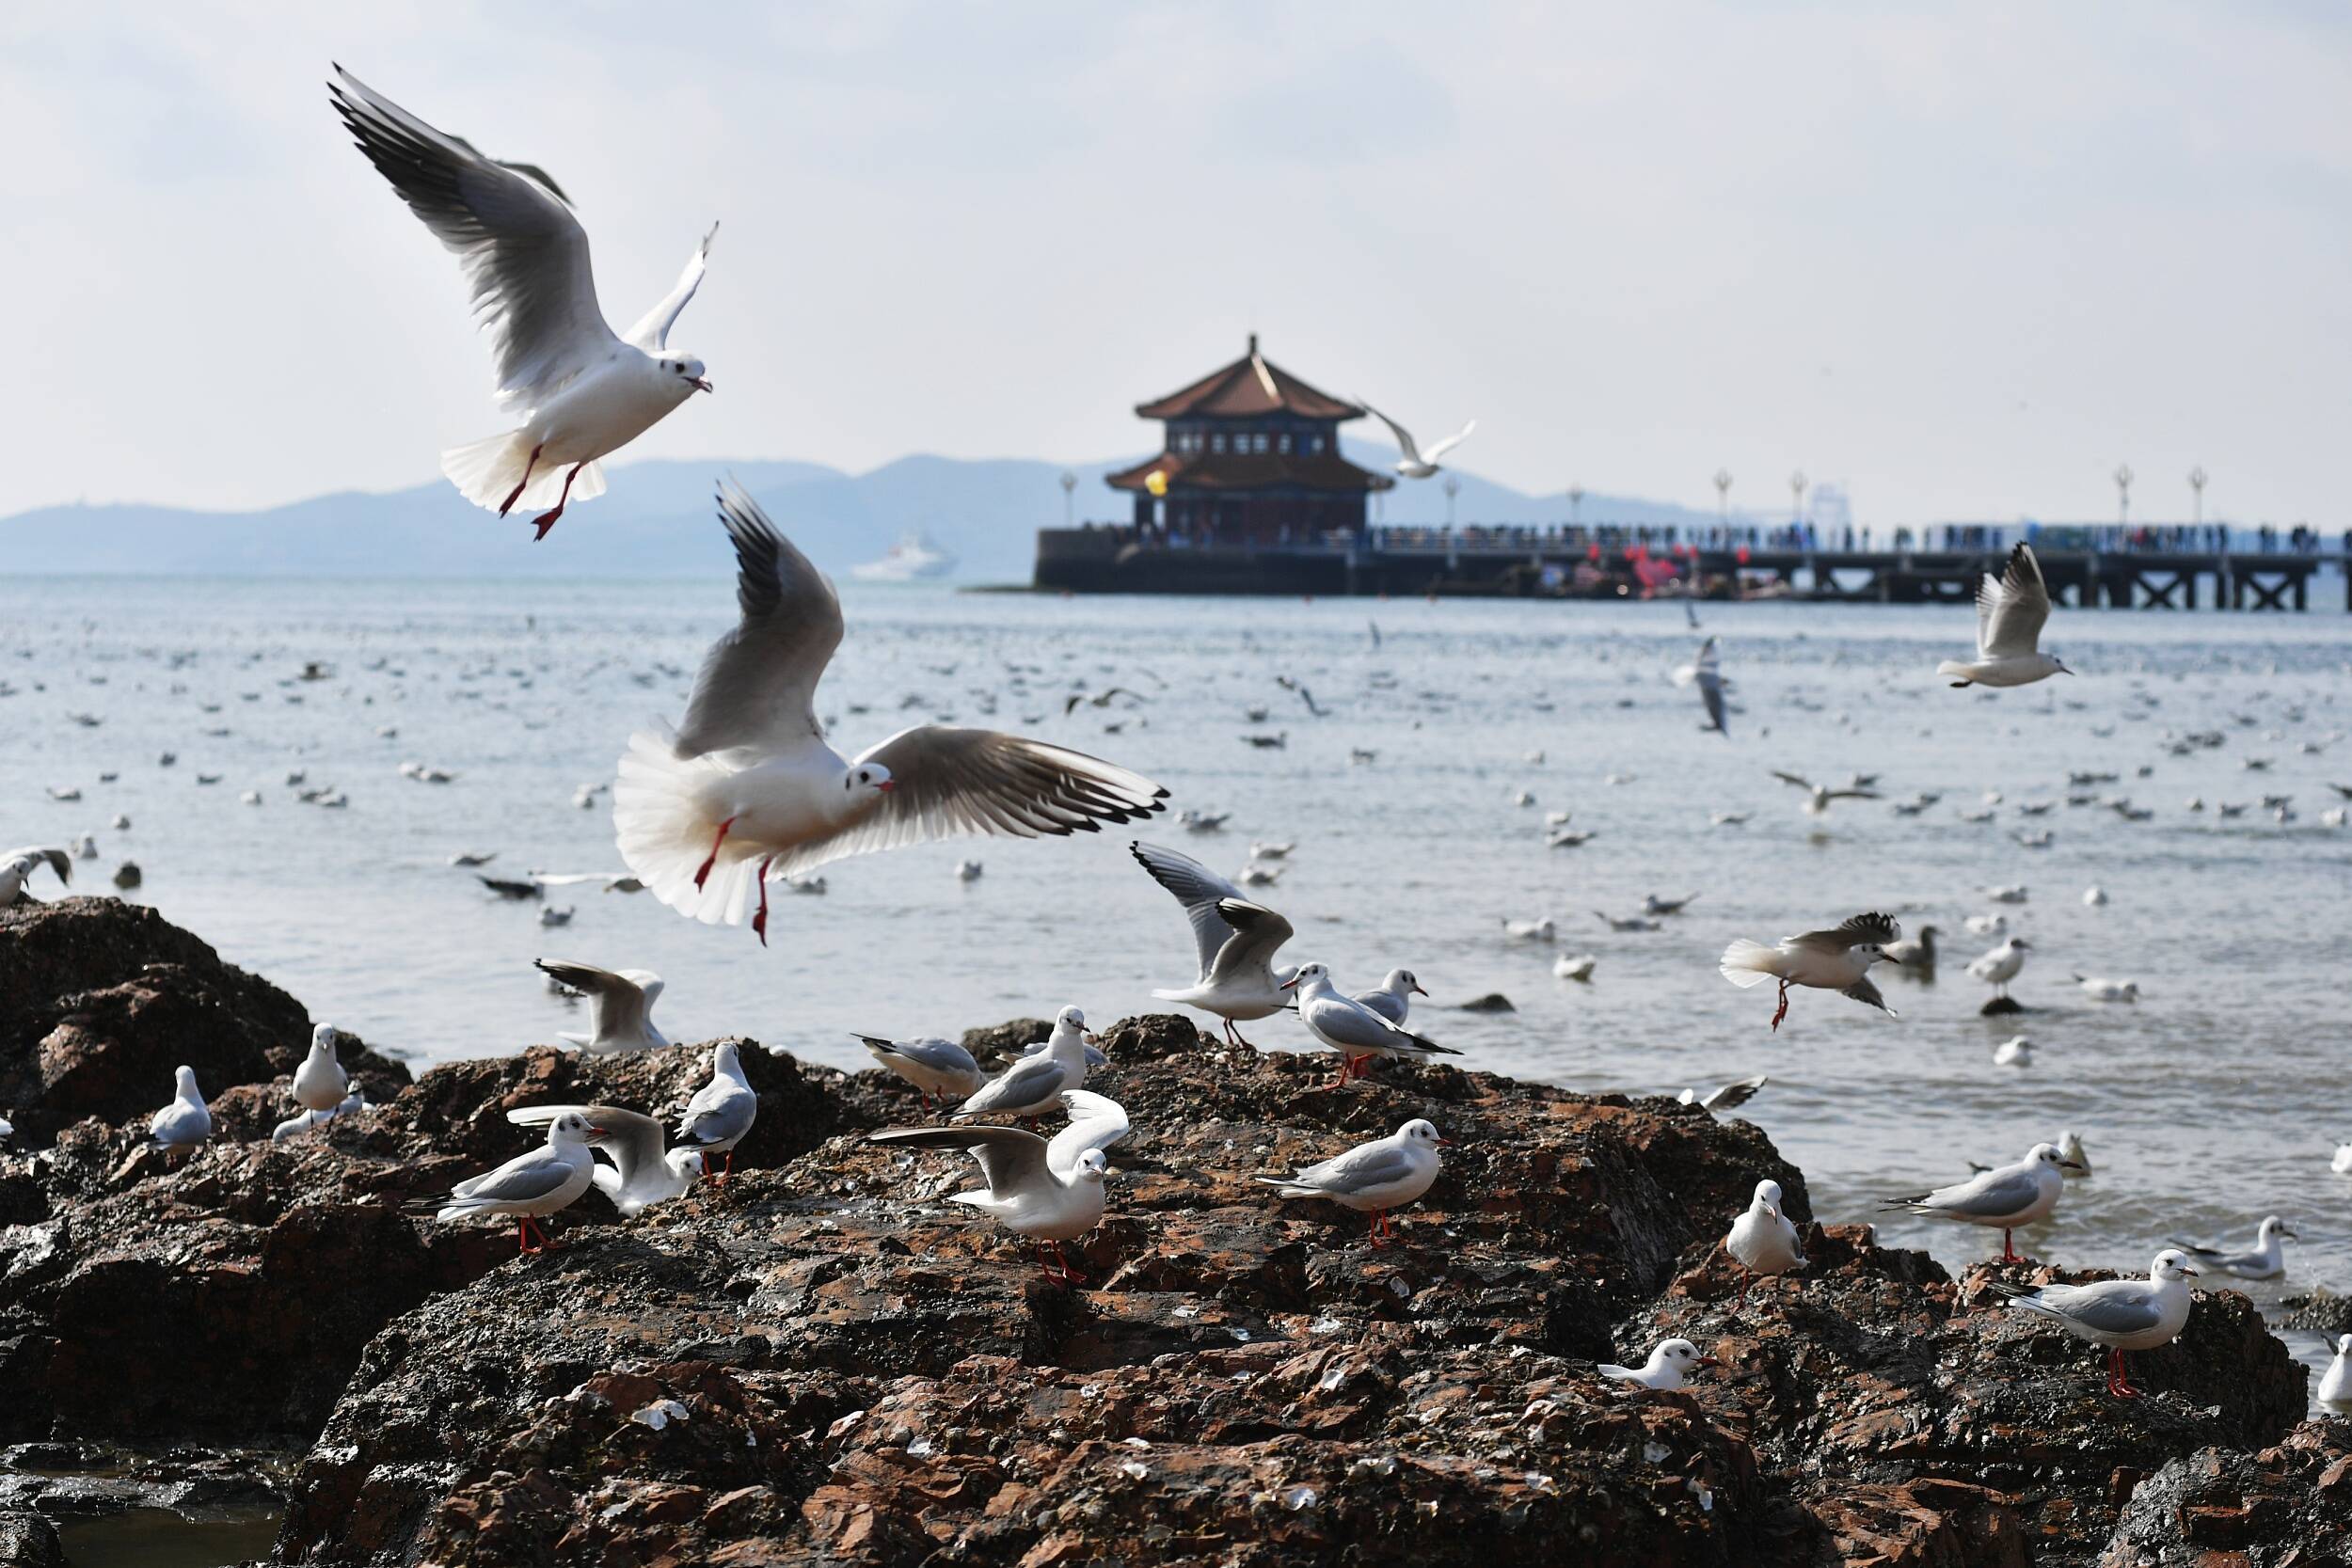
(2216,1100)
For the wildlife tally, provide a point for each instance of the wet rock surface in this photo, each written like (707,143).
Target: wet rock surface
(825,1361)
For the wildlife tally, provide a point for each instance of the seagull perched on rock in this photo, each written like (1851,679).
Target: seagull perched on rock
(1357,1033)
(1762,1240)
(644,1170)
(2010,610)
(748,788)
(530,1186)
(1235,937)
(2266,1260)
(320,1083)
(620,1005)
(1818,797)
(2122,1314)
(581,392)
(18,865)
(1035,1083)
(2008,1196)
(721,1111)
(1393,998)
(1373,1177)
(186,1121)
(1670,1365)
(1412,461)
(1046,1191)
(1998,967)
(1839,959)
(936,1067)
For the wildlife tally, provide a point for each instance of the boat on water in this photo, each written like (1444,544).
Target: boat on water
(913,559)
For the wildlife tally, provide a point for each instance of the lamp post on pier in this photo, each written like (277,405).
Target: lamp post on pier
(1068,493)
(1576,505)
(1723,494)
(2197,493)
(1452,488)
(1796,497)
(2123,494)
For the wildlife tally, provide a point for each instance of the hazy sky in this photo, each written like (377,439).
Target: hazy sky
(1965,258)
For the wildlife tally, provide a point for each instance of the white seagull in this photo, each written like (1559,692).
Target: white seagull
(2268,1260)
(1237,938)
(1035,1083)
(1818,797)
(185,1122)
(1393,998)
(2007,1196)
(643,1172)
(2335,1385)
(2121,1314)
(1836,959)
(620,1005)
(1727,1097)
(320,1083)
(1706,672)
(1412,461)
(18,865)
(1357,1033)
(721,1111)
(1998,967)
(748,788)
(1045,1190)
(1577,968)
(1762,1240)
(1669,1366)
(2010,610)
(581,392)
(530,1186)
(934,1066)
(1373,1177)
(2108,991)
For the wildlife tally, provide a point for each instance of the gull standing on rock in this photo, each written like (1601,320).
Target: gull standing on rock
(2007,1196)
(1047,1192)
(2121,1314)
(620,1005)
(2010,610)
(1393,998)
(1035,1085)
(1998,967)
(320,1083)
(18,865)
(1836,959)
(1669,1366)
(1373,1177)
(2268,1260)
(1357,1033)
(934,1066)
(747,787)
(1412,461)
(583,393)
(530,1186)
(2335,1385)
(721,1111)
(1762,1240)
(1237,938)
(186,1121)
(643,1172)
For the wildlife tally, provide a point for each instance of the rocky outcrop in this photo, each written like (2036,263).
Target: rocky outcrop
(2285,1506)
(101,1000)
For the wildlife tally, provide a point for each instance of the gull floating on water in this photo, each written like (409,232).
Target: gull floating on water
(185,1122)
(620,1005)
(747,787)
(2016,1050)
(1762,1240)
(1577,968)
(1044,1191)
(1373,1177)
(1627,923)
(2008,1196)
(2108,991)
(2122,1314)
(1670,1365)
(1412,461)
(2010,610)
(2094,897)
(1915,954)
(1235,937)
(1652,904)
(1357,1032)
(1836,959)
(2268,1260)
(936,1067)
(583,393)
(1529,930)
(530,1186)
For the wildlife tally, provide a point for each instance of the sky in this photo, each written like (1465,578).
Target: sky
(1962,259)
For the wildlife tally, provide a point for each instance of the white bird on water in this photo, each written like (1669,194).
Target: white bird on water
(1373,1177)
(1836,959)
(620,1005)
(2016,1050)
(747,788)
(1577,968)
(1235,937)
(583,393)
(2010,610)
(2008,1196)
(1762,1240)
(2108,991)
(186,1121)
(2266,1260)
(2121,1314)
(1412,461)
(1670,1365)
(2335,1384)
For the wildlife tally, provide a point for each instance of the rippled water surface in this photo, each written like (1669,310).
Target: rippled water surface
(2214,1099)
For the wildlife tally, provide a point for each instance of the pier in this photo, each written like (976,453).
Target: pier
(2085,565)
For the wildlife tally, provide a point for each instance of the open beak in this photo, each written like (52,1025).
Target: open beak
(701,384)
(596,1135)
(1418,991)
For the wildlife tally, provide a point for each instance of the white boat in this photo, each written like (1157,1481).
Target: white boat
(913,559)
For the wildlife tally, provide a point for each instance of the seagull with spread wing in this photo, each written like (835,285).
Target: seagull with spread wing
(581,392)
(1045,1190)
(747,790)
(1237,938)
(1412,461)
(1705,672)
(620,1005)
(645,1171)
(1836,959)
(2011,611)
(1818,797)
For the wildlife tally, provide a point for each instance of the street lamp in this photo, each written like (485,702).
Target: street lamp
(1723,494)
(1576,504)
(1796,497)
(1068,490)
(2123,494)
(1452,488)
(2197,488)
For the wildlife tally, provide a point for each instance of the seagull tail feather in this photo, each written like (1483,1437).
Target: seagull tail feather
(1749,963)
(488,471)
(665,819)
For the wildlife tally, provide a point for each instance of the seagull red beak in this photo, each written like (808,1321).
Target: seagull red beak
(1445,1143)
(887,785)
(1707,1361)
(701,384)
(1288,983)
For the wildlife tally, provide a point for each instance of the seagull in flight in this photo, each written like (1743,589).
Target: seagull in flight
(1412,461)
(2011,611)
(580,392)
(747,790)
(1705,670)
(1836,959)
(1818,797)
(1237,938)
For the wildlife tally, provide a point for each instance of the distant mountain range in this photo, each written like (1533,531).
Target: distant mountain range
(655,521)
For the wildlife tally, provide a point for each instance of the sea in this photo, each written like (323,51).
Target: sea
(1411,753)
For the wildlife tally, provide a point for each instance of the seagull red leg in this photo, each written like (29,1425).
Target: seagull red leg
(702,872)
(2009,1253)
(546,520)
(517,494)
(1782,1011)
(759,920)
